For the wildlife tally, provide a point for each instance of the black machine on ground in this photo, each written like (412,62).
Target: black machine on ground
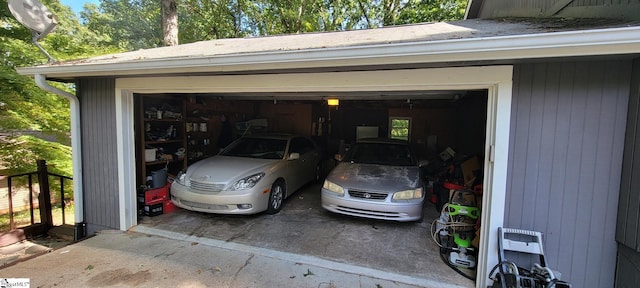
(509,275)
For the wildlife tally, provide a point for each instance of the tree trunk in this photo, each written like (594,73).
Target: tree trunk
(169,9)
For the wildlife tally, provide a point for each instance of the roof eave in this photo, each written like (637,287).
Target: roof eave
(545,45)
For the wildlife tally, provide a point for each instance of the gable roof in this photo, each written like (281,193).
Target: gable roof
(440,42)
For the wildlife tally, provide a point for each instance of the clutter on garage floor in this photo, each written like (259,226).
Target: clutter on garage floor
(456,182)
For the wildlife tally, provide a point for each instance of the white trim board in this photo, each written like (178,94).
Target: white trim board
(497,80)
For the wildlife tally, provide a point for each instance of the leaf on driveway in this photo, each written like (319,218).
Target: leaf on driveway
(309,273)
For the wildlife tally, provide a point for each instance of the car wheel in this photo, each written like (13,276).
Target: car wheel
(276,197)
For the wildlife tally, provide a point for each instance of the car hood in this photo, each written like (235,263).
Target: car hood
(223,169)
(375,177)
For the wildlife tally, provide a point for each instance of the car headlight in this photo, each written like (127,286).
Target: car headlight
(247,182)
(408,194)
(333,187)
(181,178)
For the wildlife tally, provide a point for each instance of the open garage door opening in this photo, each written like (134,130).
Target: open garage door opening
(446,130)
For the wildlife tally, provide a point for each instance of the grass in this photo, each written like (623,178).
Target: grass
(23,218)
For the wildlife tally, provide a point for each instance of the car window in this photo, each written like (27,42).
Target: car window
(256,148)
(380,153)
(301,145)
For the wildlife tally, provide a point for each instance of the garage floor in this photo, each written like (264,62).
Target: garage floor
(303,227)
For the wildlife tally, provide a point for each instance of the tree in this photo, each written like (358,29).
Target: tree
(24,107)
(169,10)
(125,24)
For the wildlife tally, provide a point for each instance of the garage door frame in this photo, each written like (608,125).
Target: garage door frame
(496,80)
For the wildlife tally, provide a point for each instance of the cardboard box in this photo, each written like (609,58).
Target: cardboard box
(153,210)
(150,155)
(469,168)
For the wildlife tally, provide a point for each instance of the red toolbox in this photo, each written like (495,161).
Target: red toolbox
(154,196)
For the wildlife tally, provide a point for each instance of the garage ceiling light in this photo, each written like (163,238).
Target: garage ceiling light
(333,102)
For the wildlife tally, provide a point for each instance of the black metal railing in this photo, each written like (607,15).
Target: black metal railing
(44,203)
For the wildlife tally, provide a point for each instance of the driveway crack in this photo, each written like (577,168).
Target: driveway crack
(246,263)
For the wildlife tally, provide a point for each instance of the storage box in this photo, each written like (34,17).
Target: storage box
(150,155)
(153,210)
(157,195)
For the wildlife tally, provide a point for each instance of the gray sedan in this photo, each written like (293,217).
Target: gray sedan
(376,178)
(253,174)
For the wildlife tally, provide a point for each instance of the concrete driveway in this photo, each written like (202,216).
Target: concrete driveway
(304,228)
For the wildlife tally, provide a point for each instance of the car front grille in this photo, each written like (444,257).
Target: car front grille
(204,205)
(207,187)
(369,213)
(367,195)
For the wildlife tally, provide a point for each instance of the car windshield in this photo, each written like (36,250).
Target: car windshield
(257,148)
(380,153)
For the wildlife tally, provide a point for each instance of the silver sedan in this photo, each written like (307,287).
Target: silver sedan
(253,174)
(376,178)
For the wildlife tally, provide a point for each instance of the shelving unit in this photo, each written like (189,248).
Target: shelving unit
(202,123)
(160,136)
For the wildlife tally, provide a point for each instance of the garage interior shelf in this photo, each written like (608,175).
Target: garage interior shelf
(162,145)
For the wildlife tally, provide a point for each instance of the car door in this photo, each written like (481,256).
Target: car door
(305,167)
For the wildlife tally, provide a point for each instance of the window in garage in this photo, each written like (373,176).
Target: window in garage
(400,128)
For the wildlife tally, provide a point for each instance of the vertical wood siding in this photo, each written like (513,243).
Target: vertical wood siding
(628,214)
(627,232)
(100,175)
(567,138)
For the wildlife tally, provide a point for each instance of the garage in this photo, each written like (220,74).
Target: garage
(439,122)
(444,118)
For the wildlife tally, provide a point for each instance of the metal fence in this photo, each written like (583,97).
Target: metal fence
(33,192)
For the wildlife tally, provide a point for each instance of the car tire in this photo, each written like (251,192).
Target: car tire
(276,197)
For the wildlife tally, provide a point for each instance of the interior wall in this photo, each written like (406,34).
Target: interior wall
(294,118)
(565,161)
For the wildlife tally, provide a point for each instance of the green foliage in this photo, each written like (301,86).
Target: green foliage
(200,20)
(26,149)
(125,24)
(27,109)
(416,11)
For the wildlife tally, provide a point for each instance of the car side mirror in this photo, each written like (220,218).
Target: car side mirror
(294,156)
(423,163)
(338,157)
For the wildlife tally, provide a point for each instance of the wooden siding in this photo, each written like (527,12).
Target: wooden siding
(99,156)
(627,228)
(627,232)
(567,137)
